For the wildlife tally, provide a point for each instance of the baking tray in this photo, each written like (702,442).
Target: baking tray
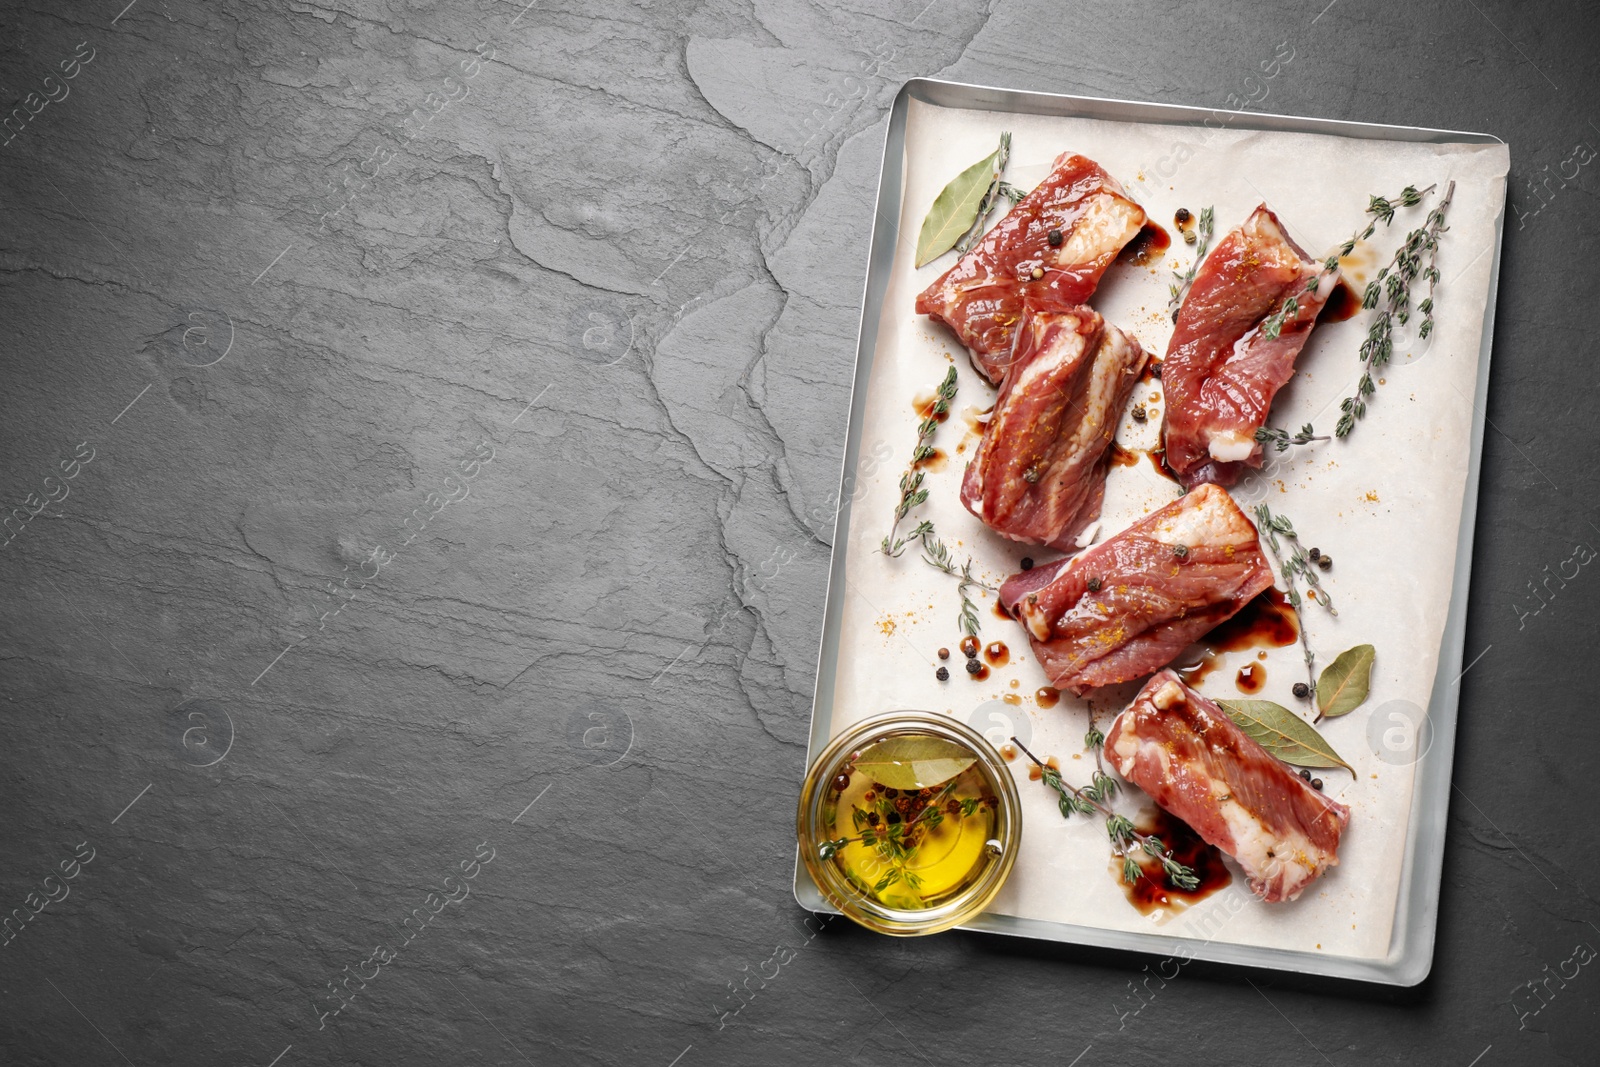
(1411,940)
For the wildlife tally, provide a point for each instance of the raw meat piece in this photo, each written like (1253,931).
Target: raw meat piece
(1129,605)
(1221,371)
(981,297)
(1039,474)
(1199,766)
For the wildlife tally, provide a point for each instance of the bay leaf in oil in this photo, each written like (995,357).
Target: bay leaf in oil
(914,762)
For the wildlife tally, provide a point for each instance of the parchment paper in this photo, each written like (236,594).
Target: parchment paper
(1385,503)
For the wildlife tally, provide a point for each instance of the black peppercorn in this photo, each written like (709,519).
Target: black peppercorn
(1306,775)
(943,674)
(1325,562)
(1302,690)
(1027,563)
(969,646)
(1139,413)
(1055,238)
(1155,365)
(973,666)
(1316,783)
(1094,585)
(1315,554)
(1181,216)
(1181,551)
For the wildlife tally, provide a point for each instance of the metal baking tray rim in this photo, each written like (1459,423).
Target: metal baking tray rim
(1410,955)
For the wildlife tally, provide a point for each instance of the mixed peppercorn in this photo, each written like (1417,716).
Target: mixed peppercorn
(969,648)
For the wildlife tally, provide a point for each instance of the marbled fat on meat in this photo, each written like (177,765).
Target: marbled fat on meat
(1222,371)
(981,297)
(1129,605)
(1196,763)
(1039,474)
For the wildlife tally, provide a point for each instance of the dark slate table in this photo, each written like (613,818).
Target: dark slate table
(434,414)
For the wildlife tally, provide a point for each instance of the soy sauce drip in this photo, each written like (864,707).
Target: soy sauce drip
(1267,621)
(1158,460)
(1149,245)
(924,403)
(1342,303)
(1251,678)
(1153,890)
(1123,457)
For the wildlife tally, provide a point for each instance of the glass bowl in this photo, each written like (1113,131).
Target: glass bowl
(909,823)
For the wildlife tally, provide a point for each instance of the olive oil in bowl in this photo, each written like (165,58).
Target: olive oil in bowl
(909,823)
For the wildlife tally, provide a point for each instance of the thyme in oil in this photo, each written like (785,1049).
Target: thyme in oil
(1206,226)
(1126,840)
(1392,287)
(911,492)
(897,842)
(1381,210)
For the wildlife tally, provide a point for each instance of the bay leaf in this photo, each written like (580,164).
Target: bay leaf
(1283,733)
(1344,682)
(955,209)
(914,762)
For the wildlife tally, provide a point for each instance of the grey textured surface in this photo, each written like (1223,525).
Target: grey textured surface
(624,254)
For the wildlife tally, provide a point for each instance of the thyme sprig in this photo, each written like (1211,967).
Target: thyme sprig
(919,531)
(1392,287)
(911,495)
(1126,839)
(937,554)
(896,842)
(1282,439)
(1093,741)
(1205,227)
(1297,562)
(911,492)
(998,187)
(1382,210)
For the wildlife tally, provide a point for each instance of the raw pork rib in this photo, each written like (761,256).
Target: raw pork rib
(1039,474)
(1156,587)
(1198,765)
(1221,372)
(980,298)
